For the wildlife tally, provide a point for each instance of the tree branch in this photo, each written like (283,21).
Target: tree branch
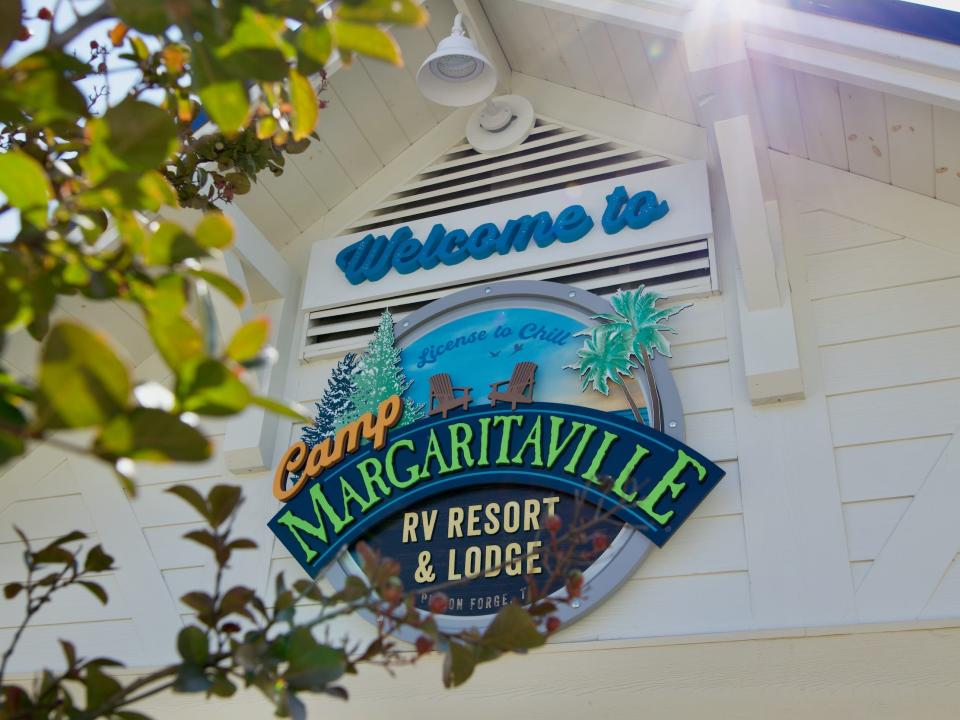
(83,23)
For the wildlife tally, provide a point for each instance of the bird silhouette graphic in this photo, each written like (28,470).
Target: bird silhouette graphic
(517,347)
(494,354)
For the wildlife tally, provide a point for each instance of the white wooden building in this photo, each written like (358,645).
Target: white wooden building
(820,364)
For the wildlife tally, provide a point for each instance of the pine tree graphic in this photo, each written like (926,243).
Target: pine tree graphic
(334,403)
(379,377)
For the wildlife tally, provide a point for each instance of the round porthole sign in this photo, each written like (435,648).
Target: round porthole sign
(463,426)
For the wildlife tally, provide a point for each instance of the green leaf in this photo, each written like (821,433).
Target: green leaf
(169,245)
(177,338)
(97,560)
(210,388)
(11,443)
(192,497)
(100,687)
(147,17)
(193,646)
(222,687)
(223,501)
(215,230)
(70,537)
(11,590)
(513,629)
(134,136)
(11,13)
(223,96)
(249,339)
(26,185)
(133,190)
(96,589)
(280,408)
(40,86)
(190,679)
(235,600)
(315,44)
(306,108)
(405,12)
(81,381)
(221,283)
(256,49)
(52,554)
(202,603)
(239,182)
(312,664)
(367,40)
(458,665)
(152,434)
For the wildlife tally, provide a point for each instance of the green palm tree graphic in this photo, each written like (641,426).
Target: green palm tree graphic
(627,339)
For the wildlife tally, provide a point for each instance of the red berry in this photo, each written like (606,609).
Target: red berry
(102,68)
(45,14)
(600,542)
(553,624)
(24,33)
(424,645)
(553,523)
(230,627)
(94,44)
(439,602)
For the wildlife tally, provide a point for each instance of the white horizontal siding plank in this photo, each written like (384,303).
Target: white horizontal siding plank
(539,43)
(704,388)
(599,49)
(667,65)
(171,550)
(74,604)
(859,570)
(123,332)
(925,542)
(699,353)
(886,312)
(669,606)
(824,231)
(636,68)
(417,45)
(59,481)
(777,93)
(910,137)
(701,546)
(295,195)
(39,646)
(155,506)
(946,154)
(898,262)
(510,33)
(45,518)
(347,143)
(442,14)
(399,90)
(886,470)
(895,413)
(945,601)
(886,362)
(563,27)
(151,473)
(822,120)
(356,91)
(701,321)
(180,581)
(713,434)
(870,523)
(266,213)
(865,124)
(724,499)
(326,175)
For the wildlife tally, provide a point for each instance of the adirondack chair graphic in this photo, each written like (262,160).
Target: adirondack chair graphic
(443,393)
(519,386)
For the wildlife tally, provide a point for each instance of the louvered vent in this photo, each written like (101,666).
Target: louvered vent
(551,158)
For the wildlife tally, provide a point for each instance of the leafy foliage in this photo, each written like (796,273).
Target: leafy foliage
(93,177)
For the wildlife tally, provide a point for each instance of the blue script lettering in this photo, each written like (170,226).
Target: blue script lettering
(372,257)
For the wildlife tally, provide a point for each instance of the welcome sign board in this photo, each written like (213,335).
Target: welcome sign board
(575,224)
(476,418)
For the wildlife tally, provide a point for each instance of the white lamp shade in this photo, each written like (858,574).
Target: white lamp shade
(456,74)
